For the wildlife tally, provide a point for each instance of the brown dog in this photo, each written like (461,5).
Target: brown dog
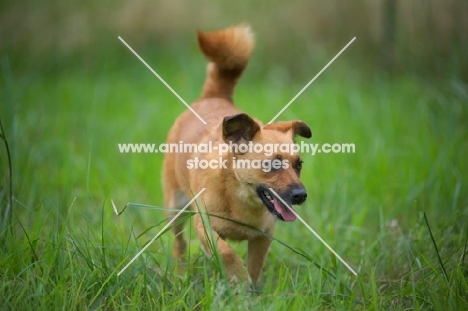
(236,192)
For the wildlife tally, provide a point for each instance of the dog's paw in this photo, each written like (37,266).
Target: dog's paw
(239,276)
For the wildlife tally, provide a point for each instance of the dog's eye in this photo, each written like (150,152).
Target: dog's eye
(299,165)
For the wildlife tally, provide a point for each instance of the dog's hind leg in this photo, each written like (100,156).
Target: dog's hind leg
(175,199)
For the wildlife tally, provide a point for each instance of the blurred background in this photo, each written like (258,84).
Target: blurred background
(422,37)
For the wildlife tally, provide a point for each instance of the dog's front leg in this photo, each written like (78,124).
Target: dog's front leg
(257,252)
(234,265)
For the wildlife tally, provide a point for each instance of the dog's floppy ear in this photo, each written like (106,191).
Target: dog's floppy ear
(298,128)
(301,129)
(239,127)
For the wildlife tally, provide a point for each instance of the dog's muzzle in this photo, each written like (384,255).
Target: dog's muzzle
(295,196)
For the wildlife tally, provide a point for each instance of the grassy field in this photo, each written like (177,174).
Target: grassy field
(396,210)
(66,245)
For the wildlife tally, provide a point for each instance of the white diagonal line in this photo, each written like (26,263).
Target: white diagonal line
(162,80)
(310,82)
(160,232)
(315,233)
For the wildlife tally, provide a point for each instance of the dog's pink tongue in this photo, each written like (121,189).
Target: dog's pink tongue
(285,212)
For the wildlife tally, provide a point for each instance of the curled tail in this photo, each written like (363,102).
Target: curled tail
(228,51)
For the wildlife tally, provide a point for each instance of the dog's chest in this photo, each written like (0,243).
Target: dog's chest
(244,226)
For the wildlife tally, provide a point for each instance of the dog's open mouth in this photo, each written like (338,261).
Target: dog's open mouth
(274,205)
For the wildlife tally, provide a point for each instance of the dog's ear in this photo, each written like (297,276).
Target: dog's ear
(297,127)
(301,129)
(239,127)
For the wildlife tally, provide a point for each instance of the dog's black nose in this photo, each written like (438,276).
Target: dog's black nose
(298,195)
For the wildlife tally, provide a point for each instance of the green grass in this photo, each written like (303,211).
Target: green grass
(67,245)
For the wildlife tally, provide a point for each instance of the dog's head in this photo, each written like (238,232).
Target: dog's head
(266,163)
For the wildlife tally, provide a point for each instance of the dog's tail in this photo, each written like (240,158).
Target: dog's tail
(228,51)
